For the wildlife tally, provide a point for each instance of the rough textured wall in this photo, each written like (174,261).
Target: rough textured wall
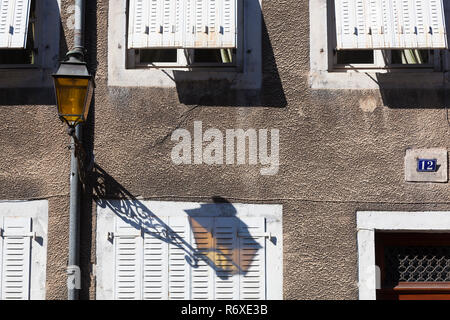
(340,151)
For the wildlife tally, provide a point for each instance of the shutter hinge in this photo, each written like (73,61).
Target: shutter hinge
(111,235)
(267,235)
(32,235)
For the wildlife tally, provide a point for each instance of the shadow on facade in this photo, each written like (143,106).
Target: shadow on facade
(208,247)
(223,92)
(400,98)
(88,134)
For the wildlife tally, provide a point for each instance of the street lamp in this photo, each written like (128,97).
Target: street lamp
(74,87)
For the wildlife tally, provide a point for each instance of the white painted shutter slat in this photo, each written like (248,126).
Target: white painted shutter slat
(202,274)
(228,27)
(178,273)
(252,257)
(16,251)
(226,259)
(182,24)
(128,261)
(437,24)
(138,24)
(20,24)
(5,23)
(155,268)
(390,24)
(155,24)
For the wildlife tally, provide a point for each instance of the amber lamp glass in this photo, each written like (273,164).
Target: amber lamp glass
(74,88)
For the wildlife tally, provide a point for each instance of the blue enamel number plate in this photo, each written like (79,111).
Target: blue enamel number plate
(426,165)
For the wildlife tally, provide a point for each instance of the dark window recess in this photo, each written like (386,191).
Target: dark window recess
(214,55)
(354,56)
(158,55)
(410,56)
(416,264)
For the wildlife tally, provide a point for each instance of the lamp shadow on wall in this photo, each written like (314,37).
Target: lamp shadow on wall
(222,256)
(227,92)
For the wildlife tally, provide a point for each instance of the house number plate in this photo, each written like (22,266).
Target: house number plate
(426,165)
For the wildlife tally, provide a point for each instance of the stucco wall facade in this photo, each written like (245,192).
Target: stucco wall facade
(340,151)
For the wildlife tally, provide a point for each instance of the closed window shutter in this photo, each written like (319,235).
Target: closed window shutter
(226,259)
(14,18)
(252,253)
(202,244)
(182,24)
(178,271)
(156,266)
(390,24)
(128,261)
(15,258)
(196,258)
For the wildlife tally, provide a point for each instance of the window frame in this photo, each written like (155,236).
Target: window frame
(183,55)
(369,222)
(326,74)
(32,24)
(247,77)
(107,214)
(37,210)
(46,47)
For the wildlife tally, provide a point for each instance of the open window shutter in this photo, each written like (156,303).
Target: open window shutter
(138,23)
(16,251)
(390,24)
(155,24)
(128,261)
(210,24)
(182,24)
(14,18)
(252,257)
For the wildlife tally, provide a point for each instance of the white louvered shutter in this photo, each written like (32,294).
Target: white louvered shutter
(128,261)
(182,24)
(155,24)
(179,284)
(155,267)
(15,261)
(390,24)
(197,258)
(226,259)
(14,18)
(210,24)
(202,244)
(138,23)
(252,252)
